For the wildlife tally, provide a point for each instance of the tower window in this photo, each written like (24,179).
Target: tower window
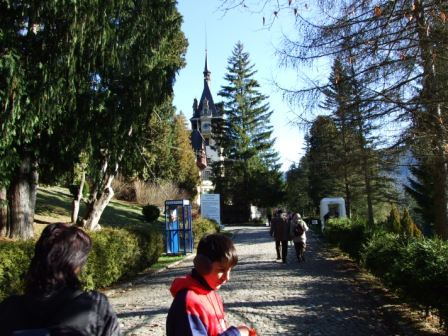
(206,127)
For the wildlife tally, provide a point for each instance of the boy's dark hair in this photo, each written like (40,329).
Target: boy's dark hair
(60,253)
(218,247)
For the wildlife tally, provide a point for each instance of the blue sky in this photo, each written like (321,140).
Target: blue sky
(206,26)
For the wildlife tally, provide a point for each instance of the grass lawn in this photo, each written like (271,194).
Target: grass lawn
(165,260)
(53,205)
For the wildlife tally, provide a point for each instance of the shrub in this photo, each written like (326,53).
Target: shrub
(235,214)
(394,221)
(157,193)
(381,252)
(151,212)
(121,252)
(123,189)
(422,273)
(15,257)
(150,242)
(408,226)
(417,267)
(203,226)
(115,253)
(348,235)
(259,221)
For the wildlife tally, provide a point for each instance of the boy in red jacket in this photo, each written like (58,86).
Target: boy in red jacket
(197,308)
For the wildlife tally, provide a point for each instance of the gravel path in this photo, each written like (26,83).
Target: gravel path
(322,296)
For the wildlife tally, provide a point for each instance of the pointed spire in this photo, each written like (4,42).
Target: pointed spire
(206,71)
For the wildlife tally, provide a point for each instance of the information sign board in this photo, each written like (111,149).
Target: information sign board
(210,207)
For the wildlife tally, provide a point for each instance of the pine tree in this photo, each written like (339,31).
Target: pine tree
(394,221)
(406,223)
(399,49)
(322,156)
(339,101)
(420,188)
(187,172)
(250,163)
(359,164)
(297,186)
(78,77)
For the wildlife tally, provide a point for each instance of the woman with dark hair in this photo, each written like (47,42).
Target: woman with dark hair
(53,303)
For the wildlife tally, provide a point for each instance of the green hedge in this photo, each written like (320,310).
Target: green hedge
(380,253)
(115,253)
(15,258)
(151,212)
(203,226)
(417,267)
(350,236)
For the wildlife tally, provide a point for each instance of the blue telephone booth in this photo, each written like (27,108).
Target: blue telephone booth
(179,228)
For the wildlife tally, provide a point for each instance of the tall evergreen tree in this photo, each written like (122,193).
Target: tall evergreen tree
(420,188)
(394,220)
(408,226)
(400,50)
(297,186)
(322,152)
(339,101)
(250,163)
(360,165)
(79,78)
(187,172)
(41,62)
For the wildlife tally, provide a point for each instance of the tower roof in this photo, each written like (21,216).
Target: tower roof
(206,106)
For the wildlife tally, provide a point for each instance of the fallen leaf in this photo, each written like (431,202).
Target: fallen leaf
(377,10)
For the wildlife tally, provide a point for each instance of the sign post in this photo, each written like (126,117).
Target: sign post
(210,207)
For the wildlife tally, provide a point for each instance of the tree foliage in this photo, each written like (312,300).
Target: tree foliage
(249,173)
(398,52)
(186,172)
(408,227)
(421,188)
(297,186)
(81,77)
(394,220)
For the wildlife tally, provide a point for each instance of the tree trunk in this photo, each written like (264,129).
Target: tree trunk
(97,206)
(34,182)
(440,176)
(100,199)
(367,180)
(348,198)
(77,201)
(432,123)
(4,230)
(21,210)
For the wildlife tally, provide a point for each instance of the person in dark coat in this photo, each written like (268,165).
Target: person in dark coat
(280,231)
(53,303)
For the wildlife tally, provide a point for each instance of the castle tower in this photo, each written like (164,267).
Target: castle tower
(205,115)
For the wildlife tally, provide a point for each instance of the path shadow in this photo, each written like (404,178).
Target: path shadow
(327,290)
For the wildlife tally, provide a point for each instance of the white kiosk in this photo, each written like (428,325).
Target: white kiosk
(326,203)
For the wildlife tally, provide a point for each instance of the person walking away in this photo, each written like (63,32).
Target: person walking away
(298,234)
(53,303)
(280,231)
(197,309)
(269,215)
